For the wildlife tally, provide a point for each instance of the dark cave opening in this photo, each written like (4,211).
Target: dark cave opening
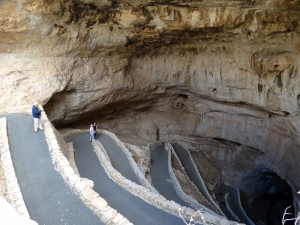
(265,197)
(262,198)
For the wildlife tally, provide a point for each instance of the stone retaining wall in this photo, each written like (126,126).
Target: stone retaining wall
(71,158)
(178,188)
(3,188)
(204,189)
(142,177)
(151,197)
(82,188)
(133,164)
(208,215)
(138,190)
(142,192)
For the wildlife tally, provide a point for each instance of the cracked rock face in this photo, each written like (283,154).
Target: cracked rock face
(221,77)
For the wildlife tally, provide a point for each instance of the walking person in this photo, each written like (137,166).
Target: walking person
(95,130)
(92,135)
(36,114)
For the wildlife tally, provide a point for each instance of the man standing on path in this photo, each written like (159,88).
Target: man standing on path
(36,113)
(95,130)
(92,133)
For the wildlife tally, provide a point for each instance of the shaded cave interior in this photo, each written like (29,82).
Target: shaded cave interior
(181,116)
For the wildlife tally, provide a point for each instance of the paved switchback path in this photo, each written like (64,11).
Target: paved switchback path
(192,172)
(48,198)
(160,175)
(118,158)
(133,208)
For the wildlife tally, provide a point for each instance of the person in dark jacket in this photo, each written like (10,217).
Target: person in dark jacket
(95,130)
(36,114)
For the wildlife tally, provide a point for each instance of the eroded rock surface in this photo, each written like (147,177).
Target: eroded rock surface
(96,52)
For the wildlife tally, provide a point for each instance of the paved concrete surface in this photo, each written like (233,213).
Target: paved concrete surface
(133,208)
(224,205)
(160,176)
(48,198)
(233,202)
(192,172)
(118,158)
(228,197)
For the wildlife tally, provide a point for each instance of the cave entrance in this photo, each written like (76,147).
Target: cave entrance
(265,197)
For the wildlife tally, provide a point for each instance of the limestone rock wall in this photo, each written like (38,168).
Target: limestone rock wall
(226,141)
(235,51)
(226,73)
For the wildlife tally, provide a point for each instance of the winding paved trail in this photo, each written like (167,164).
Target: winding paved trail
(51,201)
(193,173)
(48,198)
(118,158)
(191,170)
(233,202)
(133,208)
(160,175)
